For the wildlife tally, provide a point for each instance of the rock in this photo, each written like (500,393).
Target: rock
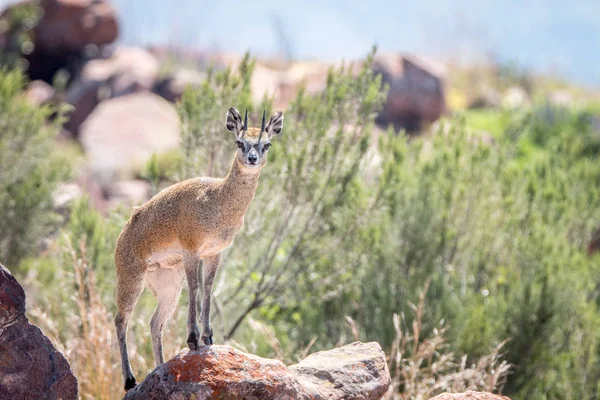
(416,95)
(126,70)
(470,395)
(171,87)
(131,193)
(68,26)
(356,371)
(30,365)
(39,92)
(84,96)
(121,134)
(12,298)
(67,31)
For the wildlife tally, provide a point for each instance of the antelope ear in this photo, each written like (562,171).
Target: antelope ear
(275,124)
(234,121)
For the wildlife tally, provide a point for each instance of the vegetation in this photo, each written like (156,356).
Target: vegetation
(30,170)
(350,228)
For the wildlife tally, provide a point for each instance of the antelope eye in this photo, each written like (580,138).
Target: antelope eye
(266,146)
(240,145)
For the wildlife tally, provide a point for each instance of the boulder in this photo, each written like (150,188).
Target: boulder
(171,87)
(30,365)
(122,133)
(470,395)
(124,71)
(84,96)
(127,69)
(67,31)
(356,371)
(12,298)
(39,92)
(416,96)
(68,26)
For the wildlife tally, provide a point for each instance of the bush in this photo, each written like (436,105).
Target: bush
(30,170)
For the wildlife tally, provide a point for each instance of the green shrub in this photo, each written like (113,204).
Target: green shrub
(30,170)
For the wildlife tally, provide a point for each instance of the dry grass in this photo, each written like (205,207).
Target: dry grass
(421,367)
(90,344)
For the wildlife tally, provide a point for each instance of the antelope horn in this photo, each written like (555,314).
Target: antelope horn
(262,129)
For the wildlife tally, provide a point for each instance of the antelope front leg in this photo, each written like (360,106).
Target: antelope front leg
(211,265)
(191,263)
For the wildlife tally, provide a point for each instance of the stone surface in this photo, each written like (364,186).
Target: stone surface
(132,193)
(39,92)
(69,32)
(470,395)
(127,70)
(356,371)
(121,134)
(30,365)
(12,298)
(124,71)
(69,26)
(171,87)
(416,95)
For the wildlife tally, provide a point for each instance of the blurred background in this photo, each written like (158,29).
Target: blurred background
(436,187)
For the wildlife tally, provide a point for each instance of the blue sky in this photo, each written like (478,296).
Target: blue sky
(546,35)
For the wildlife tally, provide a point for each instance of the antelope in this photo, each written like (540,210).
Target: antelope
(166,238)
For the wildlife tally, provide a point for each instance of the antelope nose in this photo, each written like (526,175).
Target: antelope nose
(252,158)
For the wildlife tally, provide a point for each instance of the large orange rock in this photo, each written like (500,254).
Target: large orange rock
(356,371)
(30,365)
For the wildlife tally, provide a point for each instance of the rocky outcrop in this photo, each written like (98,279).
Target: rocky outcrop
(30,366)
(355,371)
(470,395)
(416,96)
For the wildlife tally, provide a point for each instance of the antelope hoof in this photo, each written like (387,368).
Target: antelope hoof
(130,383)
(192,341)
(208,340)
